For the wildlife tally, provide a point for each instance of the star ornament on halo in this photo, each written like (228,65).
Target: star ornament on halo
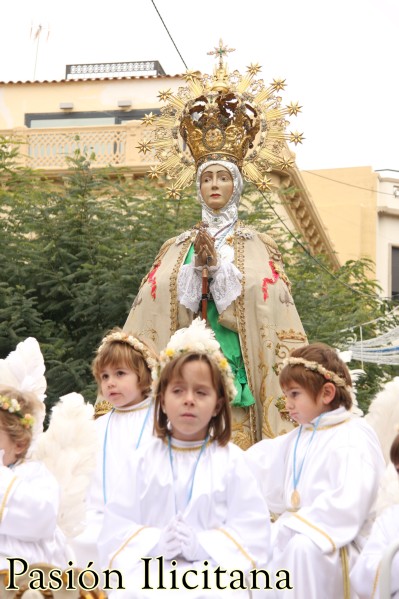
(285,164)
(144,147)
(294,108)
(278,84)
(148,119)
(165,95)
(254,69)
(173,192)
(264,184)
(154,173)
(296,138)
(191,76)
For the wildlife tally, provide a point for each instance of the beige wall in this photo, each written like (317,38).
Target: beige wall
(17,99)
(346,200)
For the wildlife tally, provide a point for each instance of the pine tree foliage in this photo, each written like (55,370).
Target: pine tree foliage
(75,249)
(74,253)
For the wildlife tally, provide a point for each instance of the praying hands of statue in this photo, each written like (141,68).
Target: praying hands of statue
(204,248)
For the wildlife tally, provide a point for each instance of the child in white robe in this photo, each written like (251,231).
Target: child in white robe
(365,574)
(122,368)
(187,502)
(29,493)
(321,479)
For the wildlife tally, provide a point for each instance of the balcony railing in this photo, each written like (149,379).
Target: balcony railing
(114,69)
(113,145)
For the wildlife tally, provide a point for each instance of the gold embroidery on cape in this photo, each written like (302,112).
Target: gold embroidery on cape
(281,406)
(271,246)
(241,428)
(266,430)
(291,335)
(174,304)
(240,308)
(149,333)
(240,312)
(252,419)
(280,270)
(241,439)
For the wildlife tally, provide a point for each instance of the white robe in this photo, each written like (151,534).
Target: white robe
(29,500)
(365,574)
(338,484)
(226,510)
(119,434)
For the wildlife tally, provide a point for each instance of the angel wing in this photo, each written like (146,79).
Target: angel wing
(24,368)
(69,449)
(383,415)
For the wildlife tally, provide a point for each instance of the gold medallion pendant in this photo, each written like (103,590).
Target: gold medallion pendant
(295,499)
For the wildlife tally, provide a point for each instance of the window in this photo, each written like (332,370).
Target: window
(84,119)
(71,122)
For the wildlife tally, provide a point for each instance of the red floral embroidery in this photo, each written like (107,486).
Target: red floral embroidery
(267,281)
(152,280)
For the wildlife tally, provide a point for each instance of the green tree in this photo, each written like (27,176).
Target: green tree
(76,252)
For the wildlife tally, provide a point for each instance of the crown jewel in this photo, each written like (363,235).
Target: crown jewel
(221,117)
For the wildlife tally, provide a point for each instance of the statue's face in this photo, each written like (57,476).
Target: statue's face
(216,186)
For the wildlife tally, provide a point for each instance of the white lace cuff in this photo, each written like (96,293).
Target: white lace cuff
(226,285)
(211,269)
(189,287)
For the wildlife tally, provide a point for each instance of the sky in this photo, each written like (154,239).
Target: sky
(339,58)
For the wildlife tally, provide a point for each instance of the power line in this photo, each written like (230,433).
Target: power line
(387,193)
(167,30)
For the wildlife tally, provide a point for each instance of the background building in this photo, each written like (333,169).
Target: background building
(360,209)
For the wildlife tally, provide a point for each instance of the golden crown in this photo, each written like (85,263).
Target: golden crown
(221,117)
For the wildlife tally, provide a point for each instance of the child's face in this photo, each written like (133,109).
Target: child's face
(302,406)
(10,448)
(120,386)
(190,401)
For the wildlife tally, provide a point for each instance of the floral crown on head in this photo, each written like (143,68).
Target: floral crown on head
(12,406)
(199,339)
(316,367)
(121,337)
